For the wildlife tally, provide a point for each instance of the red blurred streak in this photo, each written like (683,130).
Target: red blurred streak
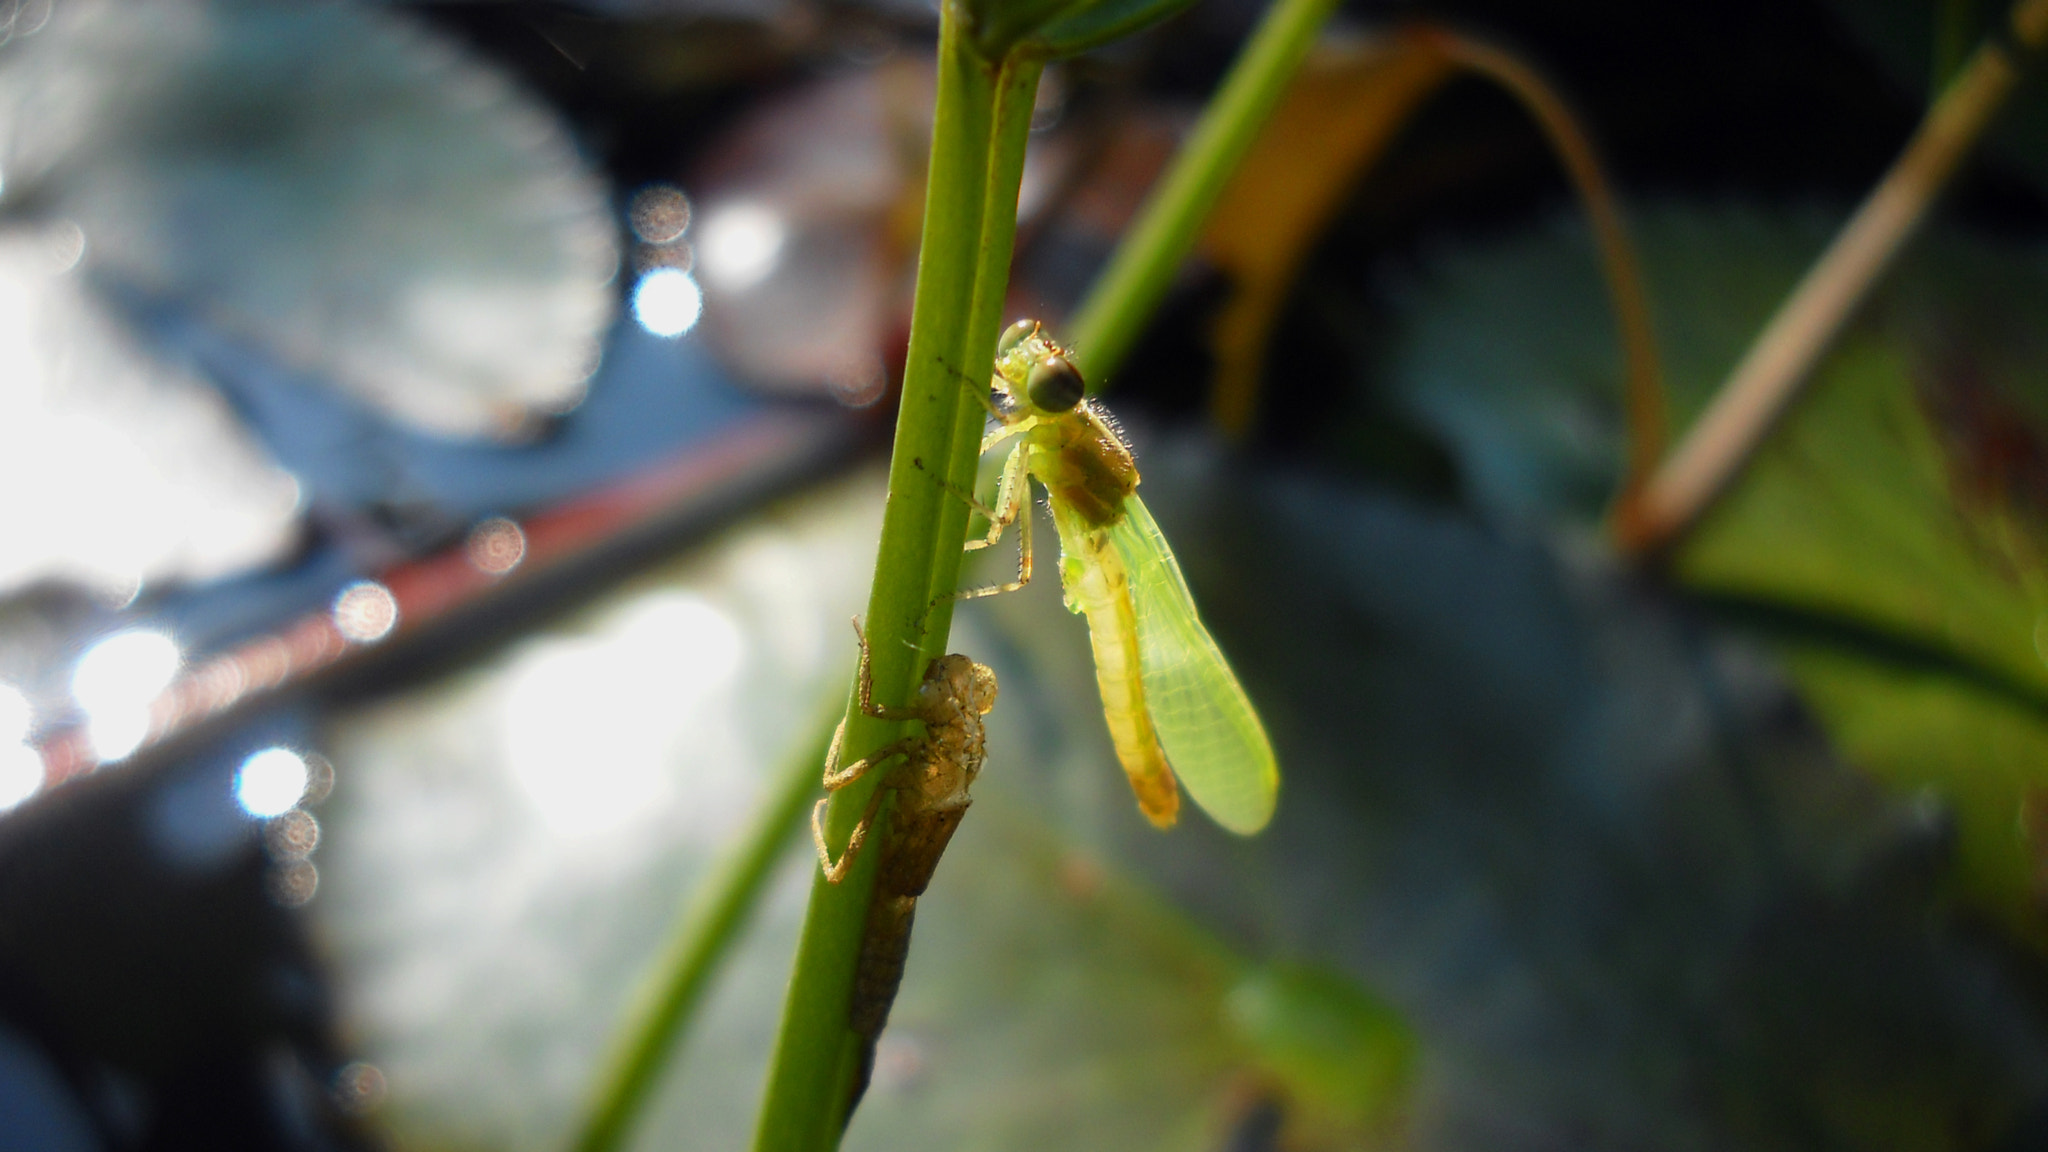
(429,589)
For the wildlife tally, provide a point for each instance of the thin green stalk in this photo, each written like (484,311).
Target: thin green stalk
(703,935)
(1124,296)
(991,53)
(981,124)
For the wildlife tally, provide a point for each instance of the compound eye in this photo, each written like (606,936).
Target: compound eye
(1014,335)
(1054,384)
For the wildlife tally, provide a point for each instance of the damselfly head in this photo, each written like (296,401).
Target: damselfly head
(1014,335)
(1054,384)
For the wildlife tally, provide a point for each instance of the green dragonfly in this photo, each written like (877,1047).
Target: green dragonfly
(1171,701)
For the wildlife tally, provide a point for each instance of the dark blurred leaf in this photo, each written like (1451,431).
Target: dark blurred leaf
(145,955)
(1341,112)
(1899,516)
(1049,1005)
(1919,43)
(1616,894)
(1858,510)
(1590,850)
(1060,27)
(1508,351)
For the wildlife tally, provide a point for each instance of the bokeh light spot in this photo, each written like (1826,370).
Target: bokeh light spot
(660,213)
(365,611)
(359,1087)
(667,302)
(116,681)
(293,884)
(64,246)
(740,244)
(496,546)
(292,835)
(270,782)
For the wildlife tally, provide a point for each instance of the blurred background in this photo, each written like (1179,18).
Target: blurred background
(441,447)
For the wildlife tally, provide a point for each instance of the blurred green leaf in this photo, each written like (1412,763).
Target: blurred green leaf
(1919,42)
(1582,841)
(1344,1053)
(1576,849)
(1864,505)
(1905,498)
(1508,351)
(1892,531)
(1983,754)
(1863,508)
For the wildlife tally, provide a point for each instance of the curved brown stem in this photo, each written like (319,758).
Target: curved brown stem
(1642,380)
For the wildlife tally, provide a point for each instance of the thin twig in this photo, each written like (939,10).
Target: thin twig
(1767,380)
(1642,380)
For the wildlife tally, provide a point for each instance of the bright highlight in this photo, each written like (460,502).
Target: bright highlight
(667,302)
(591,722)
(116,682)
(21,774)
(16,716)
(740,244)
(271,782)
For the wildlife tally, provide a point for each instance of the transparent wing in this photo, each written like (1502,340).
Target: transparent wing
(1212,736)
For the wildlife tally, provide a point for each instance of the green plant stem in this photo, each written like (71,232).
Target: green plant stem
(1123,297)
(980,126)
(704,934)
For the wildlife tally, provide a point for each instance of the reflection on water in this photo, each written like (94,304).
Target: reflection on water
(592,726)
(504,851)
(116,682)
(117,469)
(21,766)
(21,773)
